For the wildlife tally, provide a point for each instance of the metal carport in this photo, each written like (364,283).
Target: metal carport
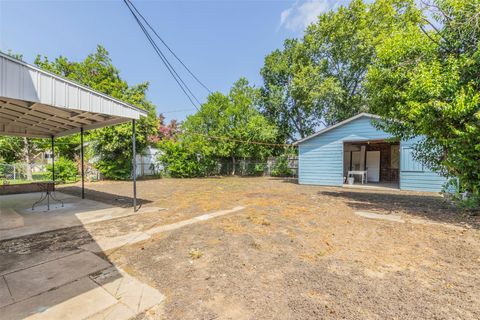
(39,104)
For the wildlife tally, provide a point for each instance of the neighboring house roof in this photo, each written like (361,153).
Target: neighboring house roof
(363,114)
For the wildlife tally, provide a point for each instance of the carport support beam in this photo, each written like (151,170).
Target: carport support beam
(134,171)
(53,161)
(82,165)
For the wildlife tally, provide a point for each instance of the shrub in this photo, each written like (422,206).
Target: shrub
(281,169)
(180,162)
(255,169)
(455,193)
(65,170)
(116,169)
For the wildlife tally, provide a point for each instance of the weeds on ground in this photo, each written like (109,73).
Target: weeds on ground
(256,245)
(258,220)
(195,253)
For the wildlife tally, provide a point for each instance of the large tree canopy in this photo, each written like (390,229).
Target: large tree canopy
(426,83)
(320,78)
(112,144)
(226,126)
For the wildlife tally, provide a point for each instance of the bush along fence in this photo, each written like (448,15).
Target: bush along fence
(282,166)
(68,170)
(275,167)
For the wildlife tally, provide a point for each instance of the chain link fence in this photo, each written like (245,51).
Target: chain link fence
(249,167)
(12,173)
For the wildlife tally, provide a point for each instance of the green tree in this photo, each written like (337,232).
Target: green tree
(112,144)
(426,82)
(181,161)
(226,126)
(319,80)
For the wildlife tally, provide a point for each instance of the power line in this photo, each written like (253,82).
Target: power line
(165,61)
(174,111)
(169,49)
(243,141)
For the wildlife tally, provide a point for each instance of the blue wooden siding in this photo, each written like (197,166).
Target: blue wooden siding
(414,175)
(321,158)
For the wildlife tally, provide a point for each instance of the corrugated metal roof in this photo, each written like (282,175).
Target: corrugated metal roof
(37,103)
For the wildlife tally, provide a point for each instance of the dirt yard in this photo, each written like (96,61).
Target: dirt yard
(294,252)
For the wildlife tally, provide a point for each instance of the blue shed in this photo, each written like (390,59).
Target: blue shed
(356,148)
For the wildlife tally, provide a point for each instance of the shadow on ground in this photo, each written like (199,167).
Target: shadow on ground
(104,197)
(425,206)
(45,271)
(292,180)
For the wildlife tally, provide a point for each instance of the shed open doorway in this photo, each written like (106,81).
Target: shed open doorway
(373,163)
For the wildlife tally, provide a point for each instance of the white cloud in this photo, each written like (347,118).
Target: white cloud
(303,13)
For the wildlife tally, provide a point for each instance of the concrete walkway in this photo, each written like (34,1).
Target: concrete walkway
(78,284)
(108,243)
(379,216)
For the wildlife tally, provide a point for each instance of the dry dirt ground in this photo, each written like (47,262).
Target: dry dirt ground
(294,252)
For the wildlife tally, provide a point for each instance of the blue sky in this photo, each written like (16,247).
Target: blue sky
(219,40)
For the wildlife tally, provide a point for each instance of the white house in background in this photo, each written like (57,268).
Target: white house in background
(147,162)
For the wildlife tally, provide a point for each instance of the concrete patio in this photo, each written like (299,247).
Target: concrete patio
(75,285)
(18,219)
(58,284)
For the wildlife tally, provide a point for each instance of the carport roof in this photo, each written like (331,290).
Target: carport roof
(37,103)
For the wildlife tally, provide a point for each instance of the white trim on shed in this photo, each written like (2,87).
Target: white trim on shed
(363,114)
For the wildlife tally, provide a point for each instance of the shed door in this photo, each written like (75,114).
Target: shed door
(373,166)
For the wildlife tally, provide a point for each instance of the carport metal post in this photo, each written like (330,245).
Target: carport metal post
(81,156)
(134,171)
(53,161)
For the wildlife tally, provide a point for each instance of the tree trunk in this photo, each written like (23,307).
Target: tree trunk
(26,158)
(233,165)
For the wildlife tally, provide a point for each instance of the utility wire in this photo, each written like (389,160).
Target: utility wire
(165,61)
(186,90)
(243,141)
(173,111)
(169,49)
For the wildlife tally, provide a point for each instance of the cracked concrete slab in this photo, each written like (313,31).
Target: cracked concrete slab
(105,244)
(40,278)
(5,297)
(15,262)
(81,285)
(378,216)
(76,300)
(10,219)
(107,294)
(127,290)
(118,311)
